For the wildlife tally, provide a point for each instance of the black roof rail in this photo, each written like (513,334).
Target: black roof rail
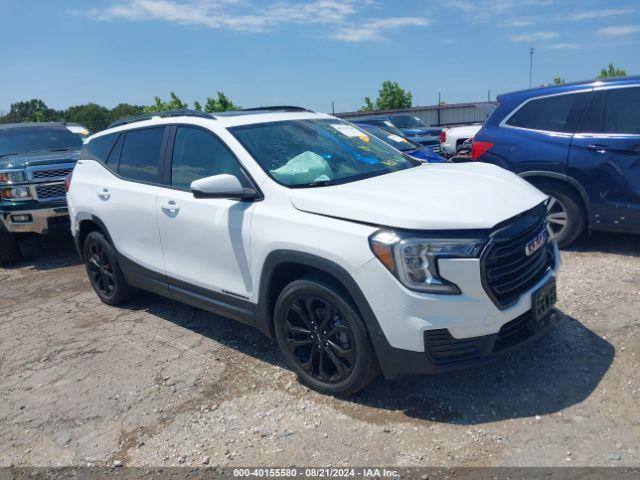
(281,108)
(169,113)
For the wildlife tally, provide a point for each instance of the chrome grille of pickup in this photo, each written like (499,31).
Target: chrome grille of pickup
(508,271)
(56,190)
(51,174)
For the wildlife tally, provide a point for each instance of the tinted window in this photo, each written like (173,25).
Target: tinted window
(199,154)
(592,122)
(140,154)
(37,138)
(407,121)
(99,148)
(554,114)
(622,111)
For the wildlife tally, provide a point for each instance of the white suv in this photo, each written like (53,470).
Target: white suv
(353,256)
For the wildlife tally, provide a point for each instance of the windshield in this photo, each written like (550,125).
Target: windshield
(407,121)
(305,153)
(393,139)
(31,139)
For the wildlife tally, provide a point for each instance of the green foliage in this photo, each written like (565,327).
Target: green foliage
(221,104)
(558,81)
(34,110)
(91,115)
(96,117)
(390,97)
(612,72)
(174,103)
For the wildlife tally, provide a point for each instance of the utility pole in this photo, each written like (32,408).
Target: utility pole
(333,109)
(489,96)
(439,104)
(530,65)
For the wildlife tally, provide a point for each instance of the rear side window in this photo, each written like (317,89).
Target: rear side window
(553,114)
(622,111)
(199,154)
(140,155)
(99,148)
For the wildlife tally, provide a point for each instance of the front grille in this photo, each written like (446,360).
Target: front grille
(51,174)
(444,349)
(50,191)
(507,270)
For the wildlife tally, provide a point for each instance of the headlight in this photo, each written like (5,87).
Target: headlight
(16,193)
(12,176)
(414,260)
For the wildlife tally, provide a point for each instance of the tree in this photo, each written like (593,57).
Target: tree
(558,81)
(197,106)
(390,97)
(173,104)
(221,104)
(612,72)
(91,115)
(34,110)
(123,110)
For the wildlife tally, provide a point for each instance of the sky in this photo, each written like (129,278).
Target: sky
(306,52)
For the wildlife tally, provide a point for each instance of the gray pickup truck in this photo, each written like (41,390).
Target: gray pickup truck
(35,159)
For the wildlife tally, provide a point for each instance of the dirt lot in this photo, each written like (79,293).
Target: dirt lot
(160,383)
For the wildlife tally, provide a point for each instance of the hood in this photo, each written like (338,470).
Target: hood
(23,160)
(425,131)
(428,197)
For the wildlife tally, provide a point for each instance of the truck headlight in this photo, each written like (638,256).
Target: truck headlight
(12,176)
(16,193)
(414,260)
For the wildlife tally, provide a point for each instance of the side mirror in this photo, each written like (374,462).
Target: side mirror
(222,186)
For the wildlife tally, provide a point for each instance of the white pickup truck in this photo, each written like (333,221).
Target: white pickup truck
(453,137)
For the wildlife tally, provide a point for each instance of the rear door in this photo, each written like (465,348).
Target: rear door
(127,204)
(605,157)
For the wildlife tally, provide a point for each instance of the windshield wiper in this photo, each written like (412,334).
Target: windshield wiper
(8,154)
(317,183)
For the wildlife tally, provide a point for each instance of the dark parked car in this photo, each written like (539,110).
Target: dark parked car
(407,126)
(580,144)
(403,144)
(35,159)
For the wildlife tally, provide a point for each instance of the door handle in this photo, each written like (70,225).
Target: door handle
(104,194)
(170,207)
(598,148)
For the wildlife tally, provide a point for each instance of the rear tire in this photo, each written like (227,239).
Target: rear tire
(103,270)
(322,337)
(9,247)
(565,214)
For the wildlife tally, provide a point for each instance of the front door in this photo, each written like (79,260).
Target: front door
(605,158)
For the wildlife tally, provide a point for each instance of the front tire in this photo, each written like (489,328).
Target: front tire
(9,248)
(103,270)
(322,337)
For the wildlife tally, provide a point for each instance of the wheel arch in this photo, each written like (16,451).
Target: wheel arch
(88,223)
(538,177)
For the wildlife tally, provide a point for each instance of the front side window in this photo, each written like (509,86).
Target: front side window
(199,154)
(35,139)
(304,153)
(552,114)
(140,156)
(622,111)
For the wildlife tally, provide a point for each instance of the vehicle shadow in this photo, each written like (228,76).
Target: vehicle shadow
(608,242)
(559,370)
(47,252)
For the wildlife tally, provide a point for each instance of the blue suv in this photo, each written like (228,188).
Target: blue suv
(580,144)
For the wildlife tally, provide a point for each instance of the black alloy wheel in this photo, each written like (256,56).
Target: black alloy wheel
(103,270)
(320,340)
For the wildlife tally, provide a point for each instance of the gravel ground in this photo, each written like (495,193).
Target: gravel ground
(159,383)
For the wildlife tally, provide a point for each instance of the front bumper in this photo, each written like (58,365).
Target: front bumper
(34,220)
(412,323)
(443,353)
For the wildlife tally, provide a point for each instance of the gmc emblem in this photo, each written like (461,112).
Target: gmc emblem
(538,241)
